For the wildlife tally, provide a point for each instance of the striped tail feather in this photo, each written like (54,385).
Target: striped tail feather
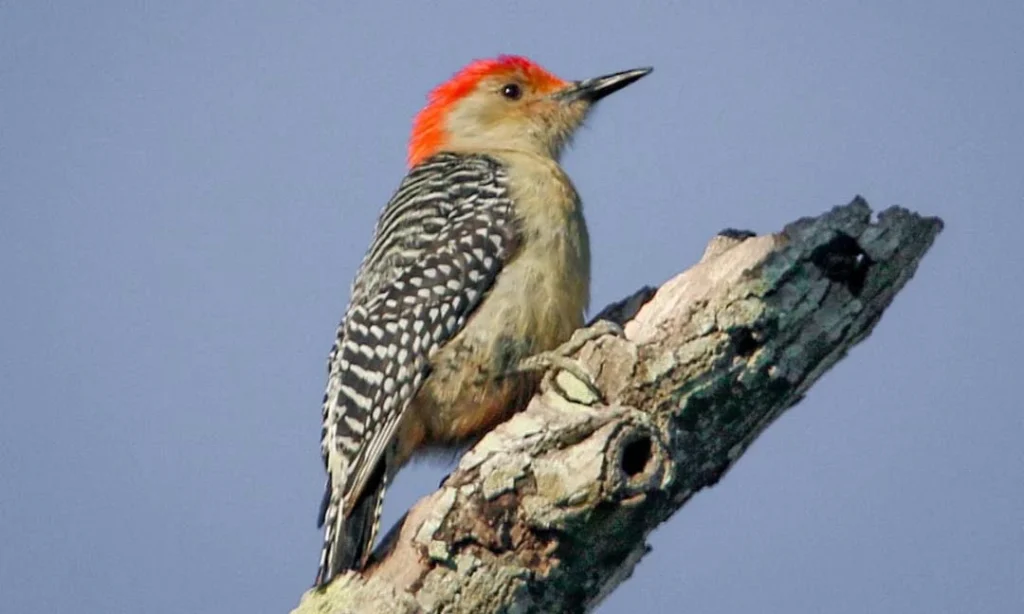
(348,540)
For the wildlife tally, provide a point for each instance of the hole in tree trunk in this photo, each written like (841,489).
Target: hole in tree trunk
(843,261)
(744,341)
(635,456)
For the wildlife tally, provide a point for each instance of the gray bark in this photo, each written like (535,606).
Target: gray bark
(551,510)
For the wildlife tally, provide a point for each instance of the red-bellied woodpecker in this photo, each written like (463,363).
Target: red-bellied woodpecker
(479,269)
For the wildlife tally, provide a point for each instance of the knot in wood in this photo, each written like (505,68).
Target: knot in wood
(636,461)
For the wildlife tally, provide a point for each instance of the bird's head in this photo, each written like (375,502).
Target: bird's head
(508,102)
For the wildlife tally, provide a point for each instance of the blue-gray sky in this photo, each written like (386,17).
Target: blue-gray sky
(186,189)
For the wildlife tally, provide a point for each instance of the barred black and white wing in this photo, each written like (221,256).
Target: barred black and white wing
(440,244)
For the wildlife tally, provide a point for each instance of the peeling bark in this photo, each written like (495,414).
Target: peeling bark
(550,511)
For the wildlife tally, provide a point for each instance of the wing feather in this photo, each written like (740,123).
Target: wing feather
(440,243)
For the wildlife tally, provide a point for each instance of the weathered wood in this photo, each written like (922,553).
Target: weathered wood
(551,510)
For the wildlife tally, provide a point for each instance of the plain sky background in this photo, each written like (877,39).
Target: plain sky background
(186,190)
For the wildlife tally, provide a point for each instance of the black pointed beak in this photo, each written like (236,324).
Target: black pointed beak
(595,89)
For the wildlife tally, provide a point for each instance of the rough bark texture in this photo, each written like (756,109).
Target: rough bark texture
(551,510)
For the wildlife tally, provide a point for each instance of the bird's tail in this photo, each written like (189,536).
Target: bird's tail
(348,539)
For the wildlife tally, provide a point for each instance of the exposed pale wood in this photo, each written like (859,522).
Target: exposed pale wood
(550,511)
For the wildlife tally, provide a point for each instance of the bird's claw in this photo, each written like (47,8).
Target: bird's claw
(560,359)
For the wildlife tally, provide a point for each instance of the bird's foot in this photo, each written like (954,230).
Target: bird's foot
(560,359)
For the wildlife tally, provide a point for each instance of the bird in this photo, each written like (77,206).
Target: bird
(477,276)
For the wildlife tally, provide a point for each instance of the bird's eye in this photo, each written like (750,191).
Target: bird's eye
(512,91)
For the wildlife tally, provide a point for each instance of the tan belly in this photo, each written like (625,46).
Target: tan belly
(535,305)
(473,385)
